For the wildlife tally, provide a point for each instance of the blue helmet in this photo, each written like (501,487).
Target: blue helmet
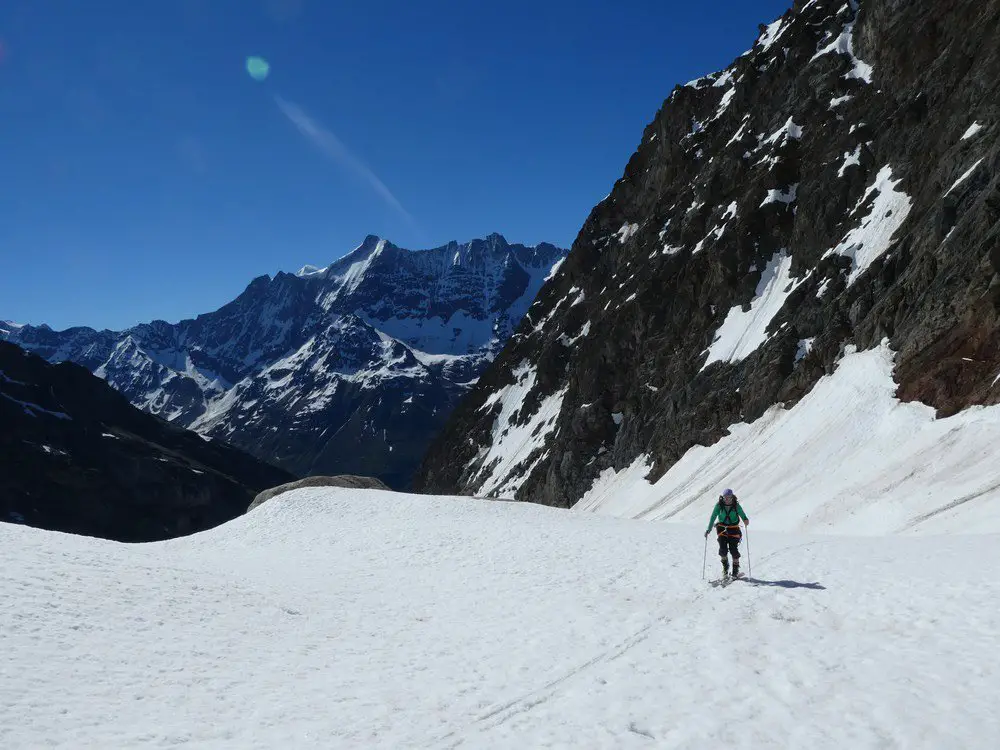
(728,493)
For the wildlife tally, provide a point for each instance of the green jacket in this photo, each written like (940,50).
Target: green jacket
(730,515)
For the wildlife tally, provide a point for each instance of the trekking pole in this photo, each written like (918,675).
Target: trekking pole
(704,561)
(749,561)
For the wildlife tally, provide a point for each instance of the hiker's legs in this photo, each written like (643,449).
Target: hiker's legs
(734,550)
(734,547)
(723,551)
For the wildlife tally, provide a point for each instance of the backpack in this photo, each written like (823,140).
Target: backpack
(728,514)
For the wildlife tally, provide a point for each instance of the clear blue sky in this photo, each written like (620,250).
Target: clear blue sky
(144,174)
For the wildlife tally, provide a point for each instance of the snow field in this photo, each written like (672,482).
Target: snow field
(847,458)
(357,618)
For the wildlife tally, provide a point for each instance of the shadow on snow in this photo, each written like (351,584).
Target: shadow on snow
(786,584)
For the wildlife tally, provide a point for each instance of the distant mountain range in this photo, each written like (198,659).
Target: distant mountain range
(352,368)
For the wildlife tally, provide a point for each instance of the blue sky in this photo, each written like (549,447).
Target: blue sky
(144,174)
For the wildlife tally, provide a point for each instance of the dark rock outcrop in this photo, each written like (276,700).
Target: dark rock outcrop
(75,456)
(345,480)
(838,184)
(348,369)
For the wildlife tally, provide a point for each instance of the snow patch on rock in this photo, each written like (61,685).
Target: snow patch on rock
(870,240)
(788,131)
(771,34)
(851,159)
(555,269)
(786,196)
(626,232)
(972,132)
(844,45)
(965,176)
(501,471)
(742,333)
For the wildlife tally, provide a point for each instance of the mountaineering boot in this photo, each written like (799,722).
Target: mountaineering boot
(736,568)
(725,567)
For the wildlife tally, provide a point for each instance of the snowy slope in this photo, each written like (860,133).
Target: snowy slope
(349,619)
(848,457)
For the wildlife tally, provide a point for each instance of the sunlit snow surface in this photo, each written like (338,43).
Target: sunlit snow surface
(363,619)
(849,457)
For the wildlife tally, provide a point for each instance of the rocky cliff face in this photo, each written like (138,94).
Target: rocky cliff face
(75,456)
(838,184)
(349,369)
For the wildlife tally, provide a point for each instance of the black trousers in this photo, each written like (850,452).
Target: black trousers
(729,544)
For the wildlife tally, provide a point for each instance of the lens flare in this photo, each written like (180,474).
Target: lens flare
(258,68)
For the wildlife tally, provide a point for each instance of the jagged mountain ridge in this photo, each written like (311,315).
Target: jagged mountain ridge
(836,185)
(347,369)
(75,456)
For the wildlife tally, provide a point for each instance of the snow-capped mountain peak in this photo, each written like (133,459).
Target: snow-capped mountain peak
(349,368)
(7,327)
(372,245)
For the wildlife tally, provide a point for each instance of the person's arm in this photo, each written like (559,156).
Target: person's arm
(715,514)
(739,509)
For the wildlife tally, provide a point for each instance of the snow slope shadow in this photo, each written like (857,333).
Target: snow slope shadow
(785,584)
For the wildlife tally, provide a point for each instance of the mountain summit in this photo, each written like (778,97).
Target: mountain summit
(351,368)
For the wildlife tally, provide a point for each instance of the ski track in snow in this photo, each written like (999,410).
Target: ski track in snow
(358,618)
